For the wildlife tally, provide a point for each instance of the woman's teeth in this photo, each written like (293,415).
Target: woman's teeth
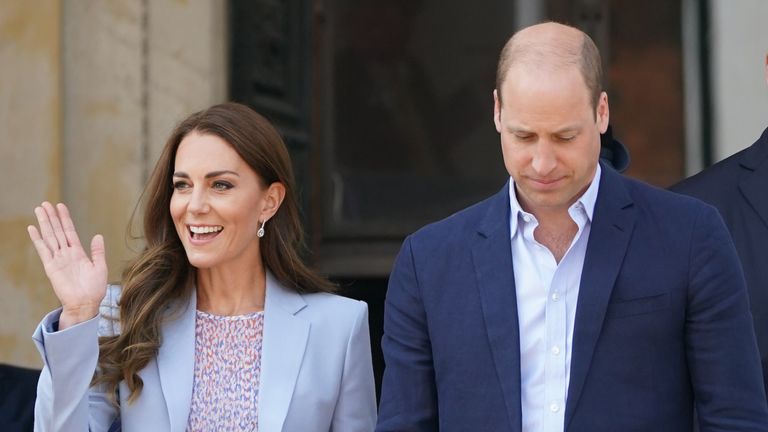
(205,229)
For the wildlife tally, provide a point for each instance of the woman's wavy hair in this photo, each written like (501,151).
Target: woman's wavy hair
(161,275)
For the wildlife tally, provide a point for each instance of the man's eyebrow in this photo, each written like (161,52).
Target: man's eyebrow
(566,129)
(519,130)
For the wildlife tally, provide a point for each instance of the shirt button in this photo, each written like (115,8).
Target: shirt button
(555,296)
(526,218)
(555,350)
(554,407)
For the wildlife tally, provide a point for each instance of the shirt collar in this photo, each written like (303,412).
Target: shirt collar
(587,201)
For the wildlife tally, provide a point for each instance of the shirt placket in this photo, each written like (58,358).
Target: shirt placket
(555,367)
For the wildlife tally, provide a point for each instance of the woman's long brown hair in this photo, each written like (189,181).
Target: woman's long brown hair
(161,275)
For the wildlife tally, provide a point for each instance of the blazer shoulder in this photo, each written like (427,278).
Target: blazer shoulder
(716,183)
(334,306)
(713,179)
(463,221)
(666,205)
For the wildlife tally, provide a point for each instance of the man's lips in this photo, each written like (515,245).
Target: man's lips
(544,182)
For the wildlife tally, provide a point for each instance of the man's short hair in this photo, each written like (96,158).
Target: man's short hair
(585,55)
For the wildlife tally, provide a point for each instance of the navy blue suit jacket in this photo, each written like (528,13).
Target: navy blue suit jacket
(662,316)
(17,398)
(738,187)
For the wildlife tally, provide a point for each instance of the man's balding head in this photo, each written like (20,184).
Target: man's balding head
(552,46)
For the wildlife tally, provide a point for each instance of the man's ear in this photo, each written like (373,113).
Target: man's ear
(603,113)
(496,110)
(273,198)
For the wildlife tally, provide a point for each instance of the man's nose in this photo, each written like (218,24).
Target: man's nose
(544,159)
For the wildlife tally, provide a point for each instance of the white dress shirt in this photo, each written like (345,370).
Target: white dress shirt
(547,294)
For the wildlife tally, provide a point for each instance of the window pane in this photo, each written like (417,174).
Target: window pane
(411,136)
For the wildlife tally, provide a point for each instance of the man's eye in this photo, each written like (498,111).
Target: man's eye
(524,138)
(566,138)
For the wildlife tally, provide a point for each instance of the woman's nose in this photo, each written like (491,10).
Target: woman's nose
(198,201)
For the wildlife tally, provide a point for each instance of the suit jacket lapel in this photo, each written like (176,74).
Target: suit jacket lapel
(753,184)
(612,224)
(492,258)
(285,339)
(176,362)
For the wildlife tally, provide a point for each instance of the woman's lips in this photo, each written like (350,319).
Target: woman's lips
(199,235)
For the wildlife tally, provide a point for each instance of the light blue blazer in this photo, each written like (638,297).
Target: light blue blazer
(316,372)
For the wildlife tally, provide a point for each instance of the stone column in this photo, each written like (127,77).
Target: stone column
(30,168)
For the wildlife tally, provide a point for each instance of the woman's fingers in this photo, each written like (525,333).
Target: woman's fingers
(58,230)
(68,227)
(46,230)
(40,246)
(98,256)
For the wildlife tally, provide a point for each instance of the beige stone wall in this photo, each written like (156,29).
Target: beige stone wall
(30,168)
(89,90)
(103,113)
(187,68)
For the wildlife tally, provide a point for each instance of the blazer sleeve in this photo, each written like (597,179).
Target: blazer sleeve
(408,394)
(66,401)
(356,406)
(720,341)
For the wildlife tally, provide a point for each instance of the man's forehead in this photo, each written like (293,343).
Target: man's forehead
(529,77)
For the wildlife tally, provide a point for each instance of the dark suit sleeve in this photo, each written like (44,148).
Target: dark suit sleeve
(720,341)
(17,400)
(408,395)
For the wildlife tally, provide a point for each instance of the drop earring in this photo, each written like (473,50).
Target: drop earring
(260,232)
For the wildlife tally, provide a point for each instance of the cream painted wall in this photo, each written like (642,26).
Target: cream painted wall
(103,110)
(739,43)
(30,168)
(89,90)
(187,63)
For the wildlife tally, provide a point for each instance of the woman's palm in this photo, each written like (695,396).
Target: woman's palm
(79,281)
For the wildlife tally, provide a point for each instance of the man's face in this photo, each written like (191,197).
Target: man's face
(550,135)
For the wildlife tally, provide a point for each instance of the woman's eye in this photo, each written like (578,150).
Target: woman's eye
(222,185)
(179,185)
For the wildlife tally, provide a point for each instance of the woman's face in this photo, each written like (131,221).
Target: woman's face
(218,202)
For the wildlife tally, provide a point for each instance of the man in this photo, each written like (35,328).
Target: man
(574,299)
(17,398)
(738,187)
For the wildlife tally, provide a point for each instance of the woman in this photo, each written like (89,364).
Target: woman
(218,324)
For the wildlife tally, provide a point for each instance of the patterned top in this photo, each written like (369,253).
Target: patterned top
(225,394)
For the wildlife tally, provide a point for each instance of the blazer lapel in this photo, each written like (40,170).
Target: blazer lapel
(753,184)
(611,229)
(285,339)
(176,362)
(492,258)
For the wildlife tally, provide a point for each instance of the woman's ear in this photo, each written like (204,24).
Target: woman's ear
(273,198)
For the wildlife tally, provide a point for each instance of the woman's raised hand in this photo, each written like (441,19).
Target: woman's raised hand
(79,282)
